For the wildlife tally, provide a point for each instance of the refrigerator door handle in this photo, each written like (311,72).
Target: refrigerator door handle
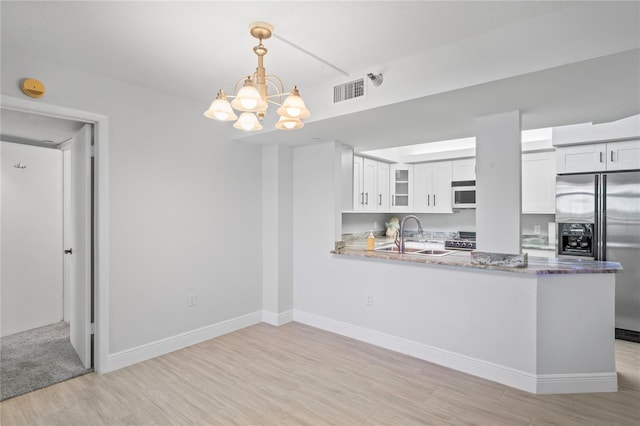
(596,207)
(602,216)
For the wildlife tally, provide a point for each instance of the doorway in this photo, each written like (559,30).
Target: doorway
(95,217)
(46,295)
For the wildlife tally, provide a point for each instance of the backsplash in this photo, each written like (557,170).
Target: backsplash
(462,220)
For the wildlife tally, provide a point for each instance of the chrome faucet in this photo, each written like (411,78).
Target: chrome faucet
(400,235)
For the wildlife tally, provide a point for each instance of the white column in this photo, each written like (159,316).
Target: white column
(498,180)
(277,233)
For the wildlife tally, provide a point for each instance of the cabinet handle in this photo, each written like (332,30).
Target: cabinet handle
(429,200)
(366,194)
(379,199)
(612,156)
(601,160)
(434,200)
(393,200)
(362,198)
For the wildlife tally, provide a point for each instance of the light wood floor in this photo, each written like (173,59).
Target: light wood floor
(295,374)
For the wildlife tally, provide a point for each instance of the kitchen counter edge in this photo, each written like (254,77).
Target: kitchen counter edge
(536,265)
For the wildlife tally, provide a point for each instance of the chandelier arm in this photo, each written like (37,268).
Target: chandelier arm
(279,90)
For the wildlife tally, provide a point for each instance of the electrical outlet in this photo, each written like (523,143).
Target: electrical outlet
(536,229)
(369,300)
(192,299)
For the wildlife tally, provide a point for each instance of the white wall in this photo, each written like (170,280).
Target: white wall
(408,303)
(499,182)
(277,238)
(185,205)
(484,322)
(31,234)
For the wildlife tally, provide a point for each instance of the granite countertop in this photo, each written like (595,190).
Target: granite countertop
(536,265)
(537,242)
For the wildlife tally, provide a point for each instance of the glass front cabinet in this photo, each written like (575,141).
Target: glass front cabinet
(401,187)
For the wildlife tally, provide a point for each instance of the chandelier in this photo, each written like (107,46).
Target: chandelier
(253,98)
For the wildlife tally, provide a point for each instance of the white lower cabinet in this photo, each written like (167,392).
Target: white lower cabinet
(539,182)
(432,187)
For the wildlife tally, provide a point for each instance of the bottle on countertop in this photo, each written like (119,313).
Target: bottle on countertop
(371,241)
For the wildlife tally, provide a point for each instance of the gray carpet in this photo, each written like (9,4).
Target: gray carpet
(37,358)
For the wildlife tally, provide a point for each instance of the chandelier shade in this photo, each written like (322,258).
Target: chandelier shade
(294,106)
(289,123)
(249,99)
(257,92)
(248,122)
(220,109)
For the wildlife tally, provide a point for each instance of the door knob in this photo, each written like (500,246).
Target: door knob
(70,251)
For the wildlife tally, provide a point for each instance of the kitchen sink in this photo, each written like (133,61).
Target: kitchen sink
(435,252)
(395,249)
(414,250)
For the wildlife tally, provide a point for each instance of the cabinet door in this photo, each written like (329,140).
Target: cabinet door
(358,184)
(581,158)
(423,187)
(382,187)
(369,179)
(432,188)
(401,187)
(463,169)
(441,187)
(539,183)
(624,155)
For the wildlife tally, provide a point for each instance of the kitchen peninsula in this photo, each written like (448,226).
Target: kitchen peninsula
(544,328)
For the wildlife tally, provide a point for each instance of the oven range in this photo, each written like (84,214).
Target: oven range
(466,241)
(459,245)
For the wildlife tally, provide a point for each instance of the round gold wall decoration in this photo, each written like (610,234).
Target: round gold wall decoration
(32,87)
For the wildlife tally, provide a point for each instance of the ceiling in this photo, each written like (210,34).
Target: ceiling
(191,49)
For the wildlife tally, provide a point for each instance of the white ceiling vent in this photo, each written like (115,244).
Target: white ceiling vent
(350,90)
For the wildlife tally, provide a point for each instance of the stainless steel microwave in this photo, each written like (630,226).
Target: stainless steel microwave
(463,194)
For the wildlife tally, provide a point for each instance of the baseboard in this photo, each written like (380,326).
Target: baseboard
(277,319)
(542,384)
(577,383)
(160,347)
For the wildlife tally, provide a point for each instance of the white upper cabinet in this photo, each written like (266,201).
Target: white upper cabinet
(539,182)
(370,185)
(624,155)
(432,188)
(383,187)
(401,187)
(611,156)
(358,183)
(581,158)
(463,170)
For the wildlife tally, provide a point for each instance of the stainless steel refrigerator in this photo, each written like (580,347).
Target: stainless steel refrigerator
(598,217)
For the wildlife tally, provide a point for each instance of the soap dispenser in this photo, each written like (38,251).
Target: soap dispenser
(371,241)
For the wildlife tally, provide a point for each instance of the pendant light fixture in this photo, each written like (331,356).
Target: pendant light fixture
(257,91)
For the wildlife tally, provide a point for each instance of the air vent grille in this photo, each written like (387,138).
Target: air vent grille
(350,90)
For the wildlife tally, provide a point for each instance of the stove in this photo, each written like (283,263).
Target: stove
(466,241)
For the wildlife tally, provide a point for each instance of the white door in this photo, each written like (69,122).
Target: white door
(369,177)
(80,258)
(382,184)
(442,187)
(423,187)
(358,183)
